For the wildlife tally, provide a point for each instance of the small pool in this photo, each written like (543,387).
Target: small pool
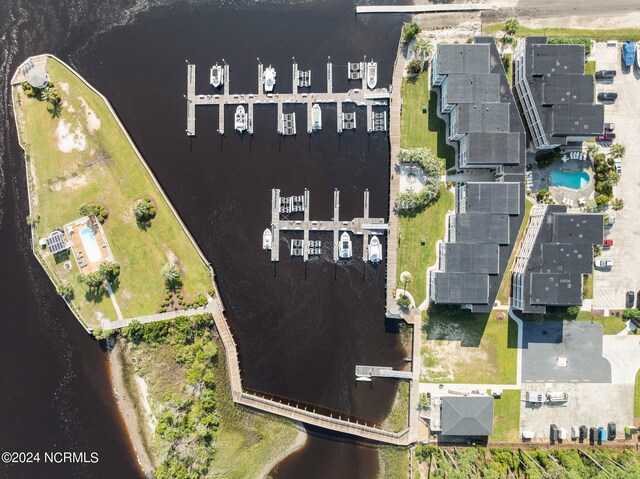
(575,181)
(90,244)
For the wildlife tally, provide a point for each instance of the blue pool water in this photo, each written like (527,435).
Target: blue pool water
(90,244)
(575,181)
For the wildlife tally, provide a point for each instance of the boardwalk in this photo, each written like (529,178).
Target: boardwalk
(451,7)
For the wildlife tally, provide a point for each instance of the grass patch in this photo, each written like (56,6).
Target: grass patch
(504,293)
(506,417)
(412,255)
(636,396)
(620,34)
(423,129)
(587,287)
(610,324)
(507,63)
(398,418)
(394,462)
(108,172)
(590,67)
(456,345)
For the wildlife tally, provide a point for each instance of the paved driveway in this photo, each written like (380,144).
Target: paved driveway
(623,353)
(579,342)
(610,286)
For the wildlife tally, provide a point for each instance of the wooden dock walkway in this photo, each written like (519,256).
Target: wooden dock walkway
(382,372)
(422,8)
(359,96)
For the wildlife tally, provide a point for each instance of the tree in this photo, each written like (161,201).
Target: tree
(84,209)
(33,220)
(617,150)
(593,149)
(423,401)
(171,275)
(50,94)
(414,66)
(423,48)
(409,32)
(100,334)
(134,332)
(542,195)
(432,165)
(65,290)
(404,301)
(617,204)
(109,270)
(591,206)
(143,210)
(603,200)
(92,280)
(511,27)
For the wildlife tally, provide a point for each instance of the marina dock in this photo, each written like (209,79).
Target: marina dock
(362,96)
(358,226)
(382,372)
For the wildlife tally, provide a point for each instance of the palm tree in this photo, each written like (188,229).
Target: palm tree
(140,210)
(423,48)
(171,274)
(617,150)
(49,94)
(593,150)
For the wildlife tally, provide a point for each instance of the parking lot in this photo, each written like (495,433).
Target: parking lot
(580,343)
(611,285)
(589,404)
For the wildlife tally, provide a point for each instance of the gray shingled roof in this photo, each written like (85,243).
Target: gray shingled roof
(472,258)
(496,198)
(462,59)
(566,258)
(578,228)
(494,148)
(578,119)
(557,59)
(566,89)
(461,288)
(556,289)
(482,228)
(467,416)
(488,117)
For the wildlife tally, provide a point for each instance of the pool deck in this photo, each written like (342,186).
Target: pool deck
(72,231)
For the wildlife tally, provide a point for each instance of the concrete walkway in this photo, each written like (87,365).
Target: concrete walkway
(623,353)
(112,297)
(453,388)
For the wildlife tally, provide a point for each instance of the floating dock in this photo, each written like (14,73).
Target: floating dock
(362,96)
(382,372)
(358,226)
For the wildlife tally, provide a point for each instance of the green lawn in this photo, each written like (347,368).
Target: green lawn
(590,67)
(505,287)
(507,63)
(106,171)
(621,34)
(610,324)
(587,287)
(415,257)
(456,345)
(506,417)
(423,129)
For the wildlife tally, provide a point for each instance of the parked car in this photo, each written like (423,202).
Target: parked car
(603,263)
(583,433)
(574,432)
(606,137)
(562,433)
(638,300)
(630,299)
(609,126)
(528,435)
(605,74)
(607,243)
(611,431)
(611,96)
(618,165)
(553,435)
(602,435)
(592,435)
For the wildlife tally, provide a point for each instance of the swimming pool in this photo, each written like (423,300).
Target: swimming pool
(575,180)
(90,244)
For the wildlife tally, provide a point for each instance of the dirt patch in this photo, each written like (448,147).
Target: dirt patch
(93,122)
(72,183)
(172,258)
(144,397)
(64,87)
(69,140)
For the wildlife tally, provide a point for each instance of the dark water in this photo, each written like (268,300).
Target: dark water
(300,330)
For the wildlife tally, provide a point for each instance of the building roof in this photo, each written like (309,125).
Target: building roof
(56,242)
(462,59)
(472,258)
(461,288)
(578,228)
(483,117)
(37,78)
(567,89)
(467,416)
(566,258)
(472,87)
(577,119)
(556,289)
(482,228)
(495,198)
(565,59)
(493,148)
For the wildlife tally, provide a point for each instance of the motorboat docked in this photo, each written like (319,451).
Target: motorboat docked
(346,248)
(316,117)
(216,76)
(364,379)
(240,119)
(375,250)
(269,78)
(372,74)
(267,239)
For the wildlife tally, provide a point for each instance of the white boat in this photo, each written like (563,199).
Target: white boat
(216,76)
(372,74)
(363,378)
(345,246)
(269,78)
(267,238)
(241,119)
(316,118)
(375,250)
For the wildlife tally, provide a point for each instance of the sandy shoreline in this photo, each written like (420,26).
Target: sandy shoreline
(127,411)
(300,441)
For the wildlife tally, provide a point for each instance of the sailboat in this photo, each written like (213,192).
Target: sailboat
(345,246)
(240,119)
(375,250)
(216,76)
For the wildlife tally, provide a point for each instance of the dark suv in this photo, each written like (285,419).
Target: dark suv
(600,74)
(607,96)
(611,431)
(553,436)
(583,433)
(630,299)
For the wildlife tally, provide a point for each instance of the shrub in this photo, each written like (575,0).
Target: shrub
(409,32)
(573,310)
(591,206)
(586,42)
(432,165)
(602,200)
(143,210)
(414,66)
(212,292)
(100,335)
(33,220)
(617,204)
(404,301)
(156,332)
(631,313)
(542,195)
(134,332)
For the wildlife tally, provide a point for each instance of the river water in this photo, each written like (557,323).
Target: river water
(300,329)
